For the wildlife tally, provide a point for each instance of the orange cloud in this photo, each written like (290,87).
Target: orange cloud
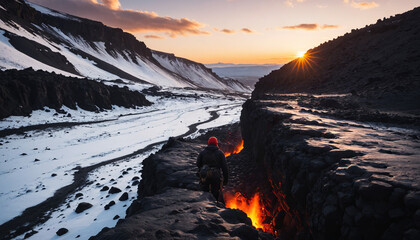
(247,30)
(303,26)
(153,36)
(362,5)
(110,13)
(113,4)
(228,31)
(326,26)
(309,26)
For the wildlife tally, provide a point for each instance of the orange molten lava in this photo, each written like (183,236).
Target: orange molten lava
(237,149)
(252,207)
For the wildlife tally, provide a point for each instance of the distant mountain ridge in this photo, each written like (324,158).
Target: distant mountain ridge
(248,74)
(34,36)
(380,62)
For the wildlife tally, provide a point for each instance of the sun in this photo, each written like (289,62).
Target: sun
(300,54)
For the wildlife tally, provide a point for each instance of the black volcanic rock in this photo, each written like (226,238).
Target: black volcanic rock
(27,90)
(114,190)
(82,207)
(378,63)
(172,206)
(331,186)
(124,197)
(62,231)
(109,205)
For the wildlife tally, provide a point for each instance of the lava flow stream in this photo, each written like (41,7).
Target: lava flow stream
(252,207)
(237,149)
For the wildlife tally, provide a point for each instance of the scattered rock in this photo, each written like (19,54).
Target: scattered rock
(105,188)
(62,231)
(114,190)
(29,234)
(78,195)
(110,204)
(83,206)
(54,175)
(116,217)
(124,197)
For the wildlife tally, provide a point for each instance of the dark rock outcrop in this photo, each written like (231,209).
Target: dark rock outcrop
(82,207)
(172,206)
(27,90)
(62,231)
(114,190)
(329,177)
(124,197)
(378,63)
(109,205)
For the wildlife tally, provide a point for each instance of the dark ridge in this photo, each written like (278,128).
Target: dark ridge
(116,40)
(26,90)
(108,67)
(379,62)
(40,52)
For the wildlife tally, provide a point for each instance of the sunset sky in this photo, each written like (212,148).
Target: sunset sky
(234,31)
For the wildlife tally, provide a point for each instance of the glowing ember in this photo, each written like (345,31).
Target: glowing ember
(252,207)
(237,149)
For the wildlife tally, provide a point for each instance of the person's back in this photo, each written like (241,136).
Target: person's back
(209,162)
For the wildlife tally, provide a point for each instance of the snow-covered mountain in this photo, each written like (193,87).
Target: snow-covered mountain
(197,72)
(37,37)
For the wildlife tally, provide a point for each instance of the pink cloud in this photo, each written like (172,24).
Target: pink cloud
(110,13)
(247,30)
(153,36)
(310,26)
(362,5)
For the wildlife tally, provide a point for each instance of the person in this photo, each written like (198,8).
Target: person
(209,162)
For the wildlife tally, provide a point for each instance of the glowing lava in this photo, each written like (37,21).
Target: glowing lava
(237,149)
(252,207)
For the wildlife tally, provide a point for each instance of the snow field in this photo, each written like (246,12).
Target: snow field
(47,157)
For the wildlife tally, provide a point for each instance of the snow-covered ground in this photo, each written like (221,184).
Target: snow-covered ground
(47,157)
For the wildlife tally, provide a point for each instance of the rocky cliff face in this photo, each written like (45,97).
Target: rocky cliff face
(379,63)
(333,179)
(171,204)
(27,90)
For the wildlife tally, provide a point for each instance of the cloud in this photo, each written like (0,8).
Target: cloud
(290,3)
(321,6)
(303,26)
(309,26)
(326,26)
(110,13)
(228,31)
(153,36)
(247,30)
(112,4)
(362,5)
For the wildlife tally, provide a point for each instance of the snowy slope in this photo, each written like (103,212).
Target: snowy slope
(37,37)
(48,157)
(196,72)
